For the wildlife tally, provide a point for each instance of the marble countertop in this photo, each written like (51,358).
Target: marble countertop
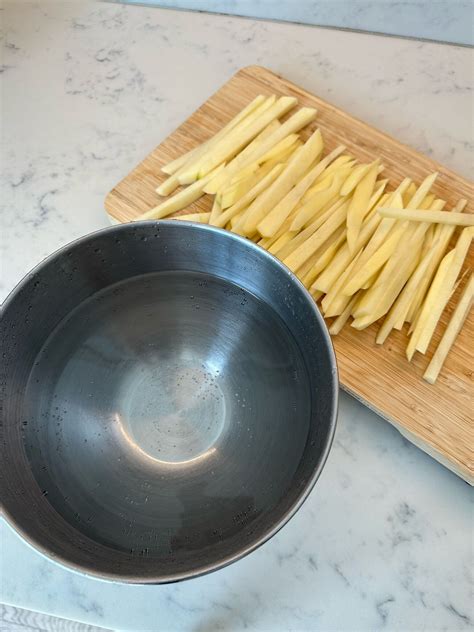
(385,539)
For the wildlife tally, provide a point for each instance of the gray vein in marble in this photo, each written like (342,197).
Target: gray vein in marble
(383,609)
(463,617)
(337,569)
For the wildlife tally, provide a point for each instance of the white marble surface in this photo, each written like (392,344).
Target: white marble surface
(440,20)
(385,539)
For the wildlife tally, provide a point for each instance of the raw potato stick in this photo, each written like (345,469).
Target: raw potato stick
(437,284)
(324,180)
(303,252)
(179,201)
(298,238)
(328,251)
(358,206)
(296,167)
(454,327)
(380,296)
(281,242)
(245,200)
(236,140)
(385,226)
(275,152)
(379,248)
(443,237)
(439,294)
(215,211)
(353,180)
(239,189)
(409,193)
(296,122)
(307,265)
(375,263)
(233,221)
(271,241)
(334,303)
(328,277)
(343,317)
(278,153)
(202,218)
(328,191)
(252,154)
(327,165)
(422,191)
(418,215)
(275,218)
(220,181)
(174,165)
(399,309)
(251,111)
(339,163)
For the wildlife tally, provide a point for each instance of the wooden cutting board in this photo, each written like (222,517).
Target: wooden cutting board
(437,417)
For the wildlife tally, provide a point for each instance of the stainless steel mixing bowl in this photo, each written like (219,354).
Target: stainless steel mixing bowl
(169,400)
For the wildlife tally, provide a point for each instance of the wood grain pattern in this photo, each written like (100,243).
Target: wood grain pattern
(438,417)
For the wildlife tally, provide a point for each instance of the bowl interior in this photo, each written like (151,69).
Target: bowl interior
(172,415)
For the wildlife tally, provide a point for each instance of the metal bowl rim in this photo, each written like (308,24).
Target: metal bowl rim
(304,492)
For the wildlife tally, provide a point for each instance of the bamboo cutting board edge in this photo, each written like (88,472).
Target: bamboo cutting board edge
(447,442)
(414,438)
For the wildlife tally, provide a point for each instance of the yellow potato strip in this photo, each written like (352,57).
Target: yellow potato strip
(280,243)
(171,183)
(202,218)
(279,153)
(438,217)
(220,180)
(236,140)
(275,218)
(409,193)
(299,238)
(443,236)
(353,180)
(379,297)
(335,301)
(326,177)
(328,192)
(454,327)
(339,163)
(215,211)
(439,294)
(306,249)
(343,317)
(232,194)
(327,250)
(298,164)
(396,316)
(179,201)
(171,167)
(359,205)
(296,122)
(344,256)
(383,229)
(249,197)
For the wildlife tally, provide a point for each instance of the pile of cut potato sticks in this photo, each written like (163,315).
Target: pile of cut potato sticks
(363,252)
